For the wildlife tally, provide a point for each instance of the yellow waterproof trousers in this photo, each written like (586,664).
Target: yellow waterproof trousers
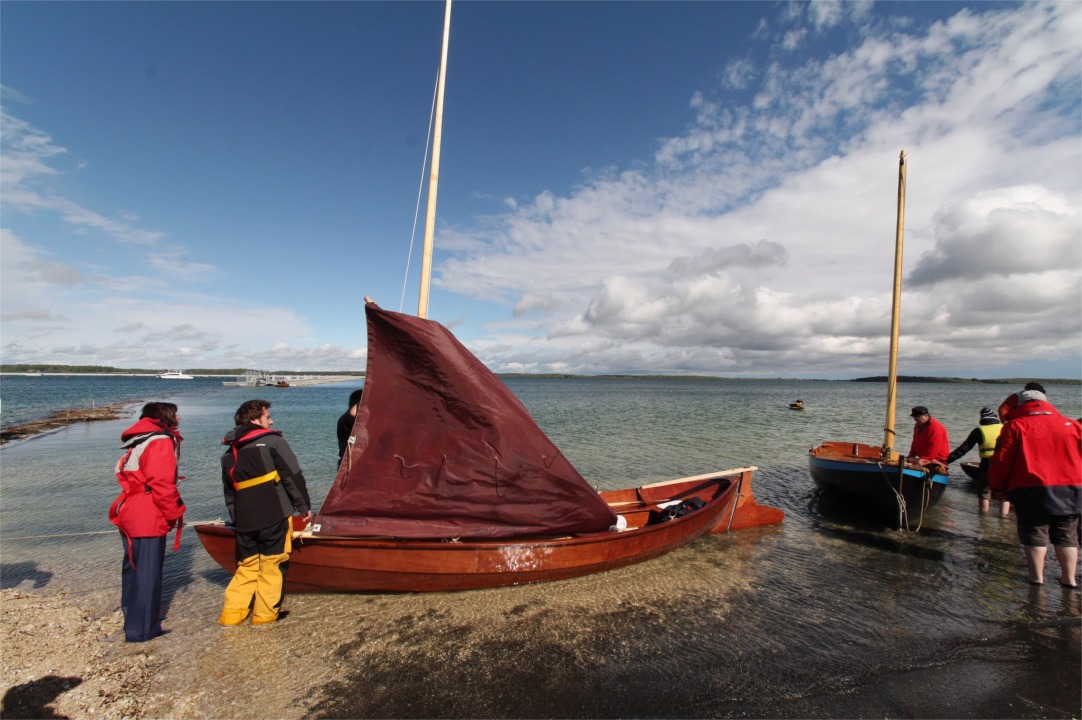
(258,583)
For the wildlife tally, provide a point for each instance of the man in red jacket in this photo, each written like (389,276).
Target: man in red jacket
(930,442)
(1038,466)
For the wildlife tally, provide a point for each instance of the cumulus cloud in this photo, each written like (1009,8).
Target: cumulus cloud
(761,239)
(1008,231)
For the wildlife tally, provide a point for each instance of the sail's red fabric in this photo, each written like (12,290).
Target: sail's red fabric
(443,449)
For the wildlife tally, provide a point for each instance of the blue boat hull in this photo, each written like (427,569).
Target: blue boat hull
(855,475)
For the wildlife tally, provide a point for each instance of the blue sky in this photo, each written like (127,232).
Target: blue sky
(625,187)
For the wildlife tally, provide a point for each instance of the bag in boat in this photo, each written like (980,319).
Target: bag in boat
(675,509)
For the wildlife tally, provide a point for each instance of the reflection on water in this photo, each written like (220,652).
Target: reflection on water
(825,615)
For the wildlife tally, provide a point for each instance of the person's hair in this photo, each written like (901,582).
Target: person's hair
(163,412)
(1034,386)
(355,397)
(249,411)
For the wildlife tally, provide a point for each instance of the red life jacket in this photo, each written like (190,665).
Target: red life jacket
(135,512)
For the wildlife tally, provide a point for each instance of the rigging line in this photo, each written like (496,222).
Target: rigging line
(57,535)
(89,532)
(420,189)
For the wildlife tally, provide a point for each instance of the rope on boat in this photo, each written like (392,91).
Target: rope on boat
(903,510)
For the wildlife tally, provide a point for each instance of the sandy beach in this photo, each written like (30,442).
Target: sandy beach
(530,651)
(687,638)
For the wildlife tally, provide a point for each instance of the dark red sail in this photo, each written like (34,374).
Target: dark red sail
(443,449)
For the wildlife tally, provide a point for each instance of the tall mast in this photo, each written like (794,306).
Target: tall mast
(895,315)
(434,176)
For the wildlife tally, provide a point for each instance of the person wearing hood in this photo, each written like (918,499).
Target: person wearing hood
(148,507)
(983,436)
(264,487)
(1038,466)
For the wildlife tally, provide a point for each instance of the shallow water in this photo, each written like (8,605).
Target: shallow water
(822,616)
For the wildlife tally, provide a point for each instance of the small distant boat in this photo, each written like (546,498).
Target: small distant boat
(175,375)
(971,469)
(281,383)
(798,405)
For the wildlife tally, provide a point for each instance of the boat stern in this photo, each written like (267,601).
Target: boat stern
(747,512)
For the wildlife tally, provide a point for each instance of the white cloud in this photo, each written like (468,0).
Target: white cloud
(26,184)
(1007,232)
(986,105)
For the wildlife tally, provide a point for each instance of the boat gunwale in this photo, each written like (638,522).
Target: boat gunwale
(721,498)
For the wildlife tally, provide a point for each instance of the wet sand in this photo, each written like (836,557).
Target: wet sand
(702,635)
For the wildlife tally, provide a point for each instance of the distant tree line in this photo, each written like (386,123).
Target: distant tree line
(995,381)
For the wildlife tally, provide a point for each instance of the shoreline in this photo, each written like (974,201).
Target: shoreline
(63,418)
(115,411)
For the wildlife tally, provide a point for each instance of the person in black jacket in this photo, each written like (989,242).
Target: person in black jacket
(264,487)
(345,423)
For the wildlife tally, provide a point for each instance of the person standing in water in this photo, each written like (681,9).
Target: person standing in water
(1038,465)
(983,436)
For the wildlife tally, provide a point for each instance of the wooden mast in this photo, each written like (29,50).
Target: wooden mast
(895,317)
(434,175)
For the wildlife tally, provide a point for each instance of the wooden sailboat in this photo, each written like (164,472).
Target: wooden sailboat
(448,483)
(875,479)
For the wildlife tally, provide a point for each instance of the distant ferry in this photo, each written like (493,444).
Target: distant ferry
(175,375)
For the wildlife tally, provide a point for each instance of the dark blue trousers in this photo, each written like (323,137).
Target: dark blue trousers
(141,588)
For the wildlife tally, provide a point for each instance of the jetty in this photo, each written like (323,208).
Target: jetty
(262,378)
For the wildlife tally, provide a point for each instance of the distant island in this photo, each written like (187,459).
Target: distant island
(23,368)
(996,381)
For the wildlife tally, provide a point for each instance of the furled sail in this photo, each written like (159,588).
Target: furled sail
(443,449)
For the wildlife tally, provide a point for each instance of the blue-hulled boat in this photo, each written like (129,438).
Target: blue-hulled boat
(874,479)
(889,489)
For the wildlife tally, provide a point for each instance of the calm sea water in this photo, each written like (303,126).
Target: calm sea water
(824,615)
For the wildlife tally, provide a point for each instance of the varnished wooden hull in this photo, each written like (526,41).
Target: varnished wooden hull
(324,564)
(855,474)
